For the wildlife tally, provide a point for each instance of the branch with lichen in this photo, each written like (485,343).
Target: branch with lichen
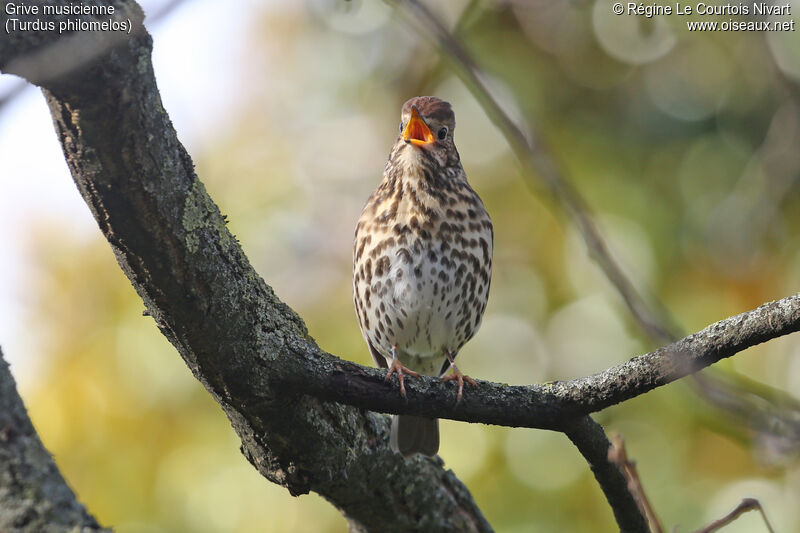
(547,406)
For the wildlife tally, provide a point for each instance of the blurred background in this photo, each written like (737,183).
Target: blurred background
(683,143)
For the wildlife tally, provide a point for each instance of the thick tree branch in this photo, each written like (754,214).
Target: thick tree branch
(233,332)
(33,494)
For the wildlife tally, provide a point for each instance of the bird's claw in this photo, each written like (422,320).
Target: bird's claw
(461,378)
(398,368)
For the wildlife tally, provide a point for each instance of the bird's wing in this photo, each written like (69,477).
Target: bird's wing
(380,360)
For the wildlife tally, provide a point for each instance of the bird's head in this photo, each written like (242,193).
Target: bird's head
(427,123)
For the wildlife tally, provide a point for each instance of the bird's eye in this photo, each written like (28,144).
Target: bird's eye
(401,126)
(442,133)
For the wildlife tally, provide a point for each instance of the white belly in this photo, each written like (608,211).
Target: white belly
(429,324)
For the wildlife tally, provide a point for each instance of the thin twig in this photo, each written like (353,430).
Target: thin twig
(747,504)
(619,456)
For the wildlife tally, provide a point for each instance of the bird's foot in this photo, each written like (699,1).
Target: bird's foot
(461,378)
(398,368)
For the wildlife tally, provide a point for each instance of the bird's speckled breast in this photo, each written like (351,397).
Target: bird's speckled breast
(422,266)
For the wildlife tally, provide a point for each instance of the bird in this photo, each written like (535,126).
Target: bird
(422,263)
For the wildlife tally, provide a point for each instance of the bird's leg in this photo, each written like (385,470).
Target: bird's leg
(397,367)
(456,375)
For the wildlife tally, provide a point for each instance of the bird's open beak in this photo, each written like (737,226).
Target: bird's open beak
(417,132)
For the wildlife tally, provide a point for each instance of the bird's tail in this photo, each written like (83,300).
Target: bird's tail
(414,434)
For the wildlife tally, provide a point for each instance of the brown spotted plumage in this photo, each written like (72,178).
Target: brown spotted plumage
(422,261)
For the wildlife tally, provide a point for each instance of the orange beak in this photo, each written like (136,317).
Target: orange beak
(417,132)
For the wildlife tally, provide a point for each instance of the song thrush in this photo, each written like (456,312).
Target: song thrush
(422,262)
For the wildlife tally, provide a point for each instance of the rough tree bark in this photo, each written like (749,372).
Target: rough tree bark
(253,353)
(33,495)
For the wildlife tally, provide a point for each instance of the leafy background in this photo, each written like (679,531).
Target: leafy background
(684,145)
